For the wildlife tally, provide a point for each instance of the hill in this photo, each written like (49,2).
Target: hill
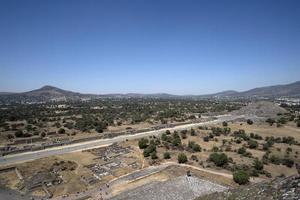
(46,93)
(50,93)
(292,89)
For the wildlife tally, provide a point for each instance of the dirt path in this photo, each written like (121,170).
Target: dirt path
(226,175)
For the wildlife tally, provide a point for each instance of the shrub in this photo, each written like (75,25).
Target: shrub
(193,132)
(242,150)
(176,140)
(241,134)
(270,121)
(218,159)
(19,133)
(99,129)
(287,162)
(147,151)
(225,123)
(143,143)
(215,149)
(258,165)
(206,139)
(168,132)
(195,147)
(167,155)
(164,137)
(61,131)
(249,121)
(275,160)
(154,155)
(252,144)
(182,158)
(10,136)
(241,177)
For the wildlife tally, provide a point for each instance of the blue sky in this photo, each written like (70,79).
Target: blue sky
(179,47)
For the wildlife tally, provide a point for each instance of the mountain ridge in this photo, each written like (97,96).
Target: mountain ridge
(49,92)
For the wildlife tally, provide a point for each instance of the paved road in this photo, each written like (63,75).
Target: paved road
(33,155)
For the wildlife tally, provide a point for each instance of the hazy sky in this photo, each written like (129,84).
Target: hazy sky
(180,47)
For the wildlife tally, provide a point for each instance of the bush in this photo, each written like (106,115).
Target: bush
(147,151)
(241,177)
(270,121)
(164,137)
(218,159)
(195,147)
(193,132)
(258,165)
(10,136)
(154,155)
(206,139)
(252,144)
(182,158)
(19,133)
(249,121)
(275,160)
(143,143)
(61,131)
(225,123)
(242,150)
(287,162)
(167,155)
(176,140)
(99,129)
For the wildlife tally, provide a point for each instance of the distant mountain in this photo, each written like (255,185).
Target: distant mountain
(288,90)
(50,93)
(46,93)
(292,89)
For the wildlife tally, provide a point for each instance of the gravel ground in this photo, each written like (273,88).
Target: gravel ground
(7,194)
(180,188)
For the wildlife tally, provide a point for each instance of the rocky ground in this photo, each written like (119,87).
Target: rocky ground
(278,189)
(261,109)
(180,188)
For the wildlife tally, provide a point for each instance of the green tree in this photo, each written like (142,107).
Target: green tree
(154,155)
(176,140)
(143,143)
(242,150)
(147,151)
(219,159)
(182,158)
(61,131)
(249,121)
(252,144)
(167,155)
(241,177)
(164,137)
(19,133)
(258,165)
